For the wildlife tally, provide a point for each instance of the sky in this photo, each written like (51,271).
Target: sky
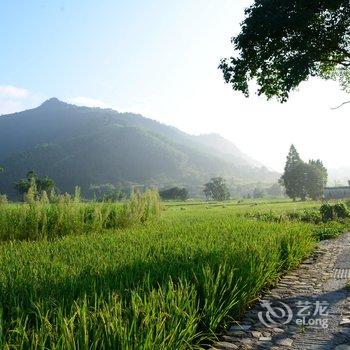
(160,59)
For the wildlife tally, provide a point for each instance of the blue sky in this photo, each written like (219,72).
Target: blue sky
(160,58)
(115,51)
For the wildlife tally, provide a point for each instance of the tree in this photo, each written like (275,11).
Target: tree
(216,189)
(291,176)
(107,192)
(316,179)
(318,163)
(283,43)
(35,183)
(258,193)
(275,190)
(302,180)
(175,193)
(314,182)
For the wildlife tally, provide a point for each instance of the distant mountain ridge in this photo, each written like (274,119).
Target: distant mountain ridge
(83,146)
(227,149)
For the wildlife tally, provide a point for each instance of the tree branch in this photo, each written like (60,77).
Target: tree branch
(344,103)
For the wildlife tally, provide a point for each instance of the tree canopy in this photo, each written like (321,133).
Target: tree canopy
(174,193)
(108,192)
(283,43)
(217,189)
(302,179)
(33,180)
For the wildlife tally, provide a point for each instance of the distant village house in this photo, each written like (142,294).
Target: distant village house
(337,192)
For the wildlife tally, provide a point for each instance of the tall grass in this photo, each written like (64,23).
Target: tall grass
(167,285)
(39,219)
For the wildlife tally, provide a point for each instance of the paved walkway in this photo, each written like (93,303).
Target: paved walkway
(308,310)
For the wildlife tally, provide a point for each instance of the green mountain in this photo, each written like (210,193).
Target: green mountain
(83,146)
(227,150)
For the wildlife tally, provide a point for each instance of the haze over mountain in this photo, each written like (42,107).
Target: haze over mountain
(84,146)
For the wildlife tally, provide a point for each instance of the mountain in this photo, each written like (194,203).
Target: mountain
(84,146)
(227,150)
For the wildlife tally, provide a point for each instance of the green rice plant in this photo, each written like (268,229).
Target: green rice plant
(165,285)
(165,318)
(39,219)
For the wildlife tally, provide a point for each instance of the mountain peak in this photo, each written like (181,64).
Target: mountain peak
(53,102)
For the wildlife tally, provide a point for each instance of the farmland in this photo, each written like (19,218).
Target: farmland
(170,283)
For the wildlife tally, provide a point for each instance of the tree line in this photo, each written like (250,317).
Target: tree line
(300,180)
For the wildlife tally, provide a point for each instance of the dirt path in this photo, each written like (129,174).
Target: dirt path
(309,309)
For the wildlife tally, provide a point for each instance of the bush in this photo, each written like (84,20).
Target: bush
(326,211)
(336,211)
(307,215)
(341,211)
(328,230)
(174,193)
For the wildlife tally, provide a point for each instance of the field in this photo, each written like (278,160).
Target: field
(170,283)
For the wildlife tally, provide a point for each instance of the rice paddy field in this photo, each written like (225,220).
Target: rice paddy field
(144,281)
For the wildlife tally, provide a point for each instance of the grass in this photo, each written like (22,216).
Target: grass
(160,285)
(40,219)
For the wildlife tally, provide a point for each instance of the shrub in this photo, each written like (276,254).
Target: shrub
(307,215)
(269,216)
(311,216)
(328,230)
(326,211)
(341,211)
(336,211)
(174,193)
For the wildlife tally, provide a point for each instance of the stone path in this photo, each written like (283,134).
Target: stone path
(308,310)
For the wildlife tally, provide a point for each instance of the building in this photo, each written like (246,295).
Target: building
(337,192)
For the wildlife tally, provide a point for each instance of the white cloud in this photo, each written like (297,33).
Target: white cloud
(10,106)
(88,102)
(13,91)
(14,99)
